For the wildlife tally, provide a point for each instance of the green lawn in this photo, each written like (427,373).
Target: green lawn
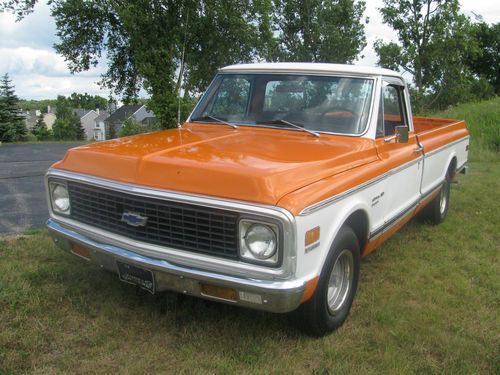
(428,303)
(483,121)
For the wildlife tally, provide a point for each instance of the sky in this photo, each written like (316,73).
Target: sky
(38,72)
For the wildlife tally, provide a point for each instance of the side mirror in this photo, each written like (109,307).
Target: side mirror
(401,132)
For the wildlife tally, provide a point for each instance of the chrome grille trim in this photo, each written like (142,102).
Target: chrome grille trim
(181,257)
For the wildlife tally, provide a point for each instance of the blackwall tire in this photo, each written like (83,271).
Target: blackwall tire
(437,210)
(331,302)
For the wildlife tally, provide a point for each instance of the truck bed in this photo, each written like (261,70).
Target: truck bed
(433,132)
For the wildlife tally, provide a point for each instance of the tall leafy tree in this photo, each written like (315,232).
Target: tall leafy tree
(318,30)
(486,62)
(433,40)
(67,125)
(87,101)
(12,125)
(163,46)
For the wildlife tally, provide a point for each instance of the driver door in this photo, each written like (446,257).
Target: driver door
(403,160)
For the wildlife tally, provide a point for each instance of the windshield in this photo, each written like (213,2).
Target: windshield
(317,103)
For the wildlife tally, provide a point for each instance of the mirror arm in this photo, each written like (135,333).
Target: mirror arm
(391,138)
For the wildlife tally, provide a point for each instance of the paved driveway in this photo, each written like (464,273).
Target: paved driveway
(22,191)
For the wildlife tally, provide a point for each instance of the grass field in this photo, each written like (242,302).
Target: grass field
(428,303)
(483,121)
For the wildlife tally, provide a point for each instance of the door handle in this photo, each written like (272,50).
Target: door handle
(419,149)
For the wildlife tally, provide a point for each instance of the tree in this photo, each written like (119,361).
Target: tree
(79,129)
(434,40)
(486,62)
(40,129)
(131,127)
(318,31)
(67,126)
(166,47)
(12,125)
(42,105)
(87,101)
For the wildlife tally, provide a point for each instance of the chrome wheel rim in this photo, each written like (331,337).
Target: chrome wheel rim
(340,281)
(443,199)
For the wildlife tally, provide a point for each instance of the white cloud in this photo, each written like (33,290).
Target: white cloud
(37,30)
(27,60)
(38,72)
(37,86)
(376,29)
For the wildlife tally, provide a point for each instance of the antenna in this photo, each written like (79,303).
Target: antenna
(181,71)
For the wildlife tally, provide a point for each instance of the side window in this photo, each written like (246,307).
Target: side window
(231,99)
(393,102)
(380,118)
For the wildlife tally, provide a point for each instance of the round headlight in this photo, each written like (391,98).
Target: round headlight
(60,197)
(261,241)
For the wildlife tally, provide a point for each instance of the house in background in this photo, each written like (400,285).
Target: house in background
(100,126)
(49,117)
(31,117)
(87,119)
(138,113)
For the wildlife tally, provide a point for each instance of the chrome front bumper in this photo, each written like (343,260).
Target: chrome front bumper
(278,296)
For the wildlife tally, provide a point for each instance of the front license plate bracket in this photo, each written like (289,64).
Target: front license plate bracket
(134,275)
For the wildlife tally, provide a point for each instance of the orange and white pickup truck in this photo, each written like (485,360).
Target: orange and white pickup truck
(281,179)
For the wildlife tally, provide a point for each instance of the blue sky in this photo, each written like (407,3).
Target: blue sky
(26,51)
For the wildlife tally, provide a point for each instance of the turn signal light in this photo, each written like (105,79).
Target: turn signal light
(220,292)
(80,251)
(312,236)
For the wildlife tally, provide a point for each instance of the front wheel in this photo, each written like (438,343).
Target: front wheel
(329,306)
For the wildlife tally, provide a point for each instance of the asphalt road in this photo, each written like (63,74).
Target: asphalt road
(22,192)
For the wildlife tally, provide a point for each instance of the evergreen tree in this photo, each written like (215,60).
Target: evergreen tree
(79,130)
(12,125)
(40,129)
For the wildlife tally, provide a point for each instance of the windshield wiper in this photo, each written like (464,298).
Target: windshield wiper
(281,121)
(202,118)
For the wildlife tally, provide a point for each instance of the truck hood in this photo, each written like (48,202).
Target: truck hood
(252,164)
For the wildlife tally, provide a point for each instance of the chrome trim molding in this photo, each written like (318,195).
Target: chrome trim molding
(276,296)
(430,153)
(361,76)
(329,201)
(400,215)
(184,257)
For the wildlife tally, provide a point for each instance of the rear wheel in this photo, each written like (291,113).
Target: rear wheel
(436,211)
(329,307)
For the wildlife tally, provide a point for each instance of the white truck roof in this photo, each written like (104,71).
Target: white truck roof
(309,68)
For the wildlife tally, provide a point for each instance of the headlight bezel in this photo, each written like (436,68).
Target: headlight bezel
(52,185)
(246,255)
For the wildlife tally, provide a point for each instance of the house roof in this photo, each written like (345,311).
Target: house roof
(124,112)
(103,115)
(81,112)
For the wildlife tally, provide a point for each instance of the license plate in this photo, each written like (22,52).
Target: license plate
(136,275)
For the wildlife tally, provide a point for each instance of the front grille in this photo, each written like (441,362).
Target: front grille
(177,225)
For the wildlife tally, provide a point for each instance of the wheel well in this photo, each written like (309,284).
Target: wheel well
(452,169)
(358,221)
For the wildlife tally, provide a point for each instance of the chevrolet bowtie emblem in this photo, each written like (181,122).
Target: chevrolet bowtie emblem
(133,219)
